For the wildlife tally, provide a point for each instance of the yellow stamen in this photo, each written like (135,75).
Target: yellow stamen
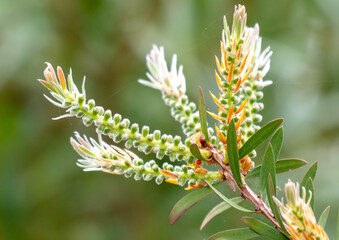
(172,181)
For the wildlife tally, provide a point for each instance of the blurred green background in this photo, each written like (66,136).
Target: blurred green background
(44,195)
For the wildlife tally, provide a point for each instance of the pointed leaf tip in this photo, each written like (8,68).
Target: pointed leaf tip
(233,204)
(232,151)
(188,201)
(263,229)
(259,137)
(238,233)
(221,207)
(323,218)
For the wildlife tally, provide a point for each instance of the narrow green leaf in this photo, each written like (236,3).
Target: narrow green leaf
(202,114)
(309,174)
(229,201)
(267,167)
(259,137)
(187,202)
(338,226)
(281,166)
(196,152)
(270,193)
(263,229)
(323,217)
(277,142)
(232,151)
(309,186)
(238,233)
(221,207)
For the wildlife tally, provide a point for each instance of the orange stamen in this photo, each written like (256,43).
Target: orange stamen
(61,78)
(215,116)
(230,73)
(239,52)
(216,100)
(193,165)
(169,174)
(237,86)
(221,136)
(217,77)
(200,185)
(230,114)
(239,138)
(246,76)
(244,62)
(199,162)
(224,55)
(201,170)
(242,105)
(243,115)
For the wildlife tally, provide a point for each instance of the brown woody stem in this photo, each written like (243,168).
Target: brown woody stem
(246,191)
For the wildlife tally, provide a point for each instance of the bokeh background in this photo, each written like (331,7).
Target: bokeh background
(44,195)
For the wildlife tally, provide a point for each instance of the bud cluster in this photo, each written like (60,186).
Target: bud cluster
(172,85)
(298,214)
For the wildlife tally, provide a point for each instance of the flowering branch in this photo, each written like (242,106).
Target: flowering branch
(239,75)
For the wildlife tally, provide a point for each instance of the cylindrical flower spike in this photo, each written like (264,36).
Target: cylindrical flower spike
(240,71)
(298,215)
(172,81)
(100,156)
(172,84)
(68,97)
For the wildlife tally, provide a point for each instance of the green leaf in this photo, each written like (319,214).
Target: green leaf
(263,229)
(238,233)
(270,193)
(282,165)
(338,227)
(268,167)
(202,114)
(309,174)
(221,207)
(196,152)
(259,137)
(277,142)
(232,151)
(187,202)
(323,217)
(310,187)
(229,201)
